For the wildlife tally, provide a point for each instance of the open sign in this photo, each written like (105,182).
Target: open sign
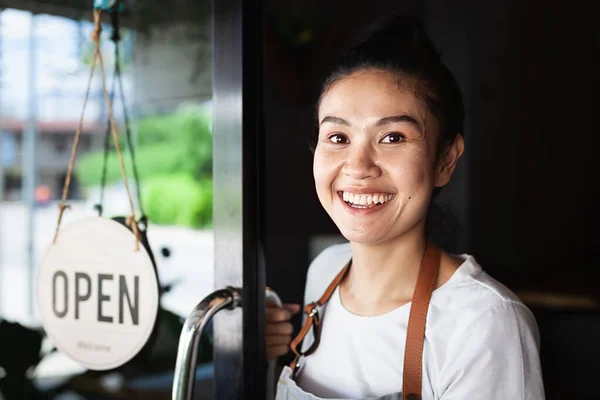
(97,294)
(79,288)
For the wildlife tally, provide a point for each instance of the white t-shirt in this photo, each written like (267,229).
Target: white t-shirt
(481,342)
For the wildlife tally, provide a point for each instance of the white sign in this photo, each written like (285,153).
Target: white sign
(97,295)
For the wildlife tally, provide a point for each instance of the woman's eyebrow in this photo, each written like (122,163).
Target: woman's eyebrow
(399,118)
(383,121)
(335,120)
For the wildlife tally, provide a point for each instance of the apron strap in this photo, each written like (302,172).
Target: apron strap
(415,337)
(313,319)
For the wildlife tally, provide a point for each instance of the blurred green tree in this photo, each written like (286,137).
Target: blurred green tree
(174,161)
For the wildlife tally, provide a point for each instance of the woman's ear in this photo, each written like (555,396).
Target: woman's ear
(447,162)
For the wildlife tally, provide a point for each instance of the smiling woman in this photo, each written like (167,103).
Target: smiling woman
(401,318)
(386,146)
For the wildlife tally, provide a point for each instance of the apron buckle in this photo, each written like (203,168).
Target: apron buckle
(295,365)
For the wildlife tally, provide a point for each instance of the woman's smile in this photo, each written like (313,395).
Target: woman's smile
(365,203)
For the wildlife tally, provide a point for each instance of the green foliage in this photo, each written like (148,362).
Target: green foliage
(178,200)
(188,133)
(174,160)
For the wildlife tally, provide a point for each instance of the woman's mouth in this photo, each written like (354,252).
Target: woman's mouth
(362,201)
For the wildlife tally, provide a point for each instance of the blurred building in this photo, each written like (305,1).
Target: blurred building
(62,48)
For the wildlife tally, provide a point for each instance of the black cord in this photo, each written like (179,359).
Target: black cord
(100,206)
(116,37)
(128,135)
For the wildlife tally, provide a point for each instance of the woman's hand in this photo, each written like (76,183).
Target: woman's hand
(278,329)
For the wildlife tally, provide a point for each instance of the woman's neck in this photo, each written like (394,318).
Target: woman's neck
(383,276)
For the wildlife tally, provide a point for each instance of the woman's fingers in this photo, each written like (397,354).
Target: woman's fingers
(292,308)
(279,340)
(277,315)
(280,328)
(285,313)
(276,351)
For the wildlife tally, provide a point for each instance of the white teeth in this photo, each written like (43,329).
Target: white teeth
(366,199)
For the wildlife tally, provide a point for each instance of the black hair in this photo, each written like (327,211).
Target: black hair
(401,46)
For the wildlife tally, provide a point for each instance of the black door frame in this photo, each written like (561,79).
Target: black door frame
(238,135)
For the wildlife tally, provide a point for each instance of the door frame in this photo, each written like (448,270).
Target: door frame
(238,137)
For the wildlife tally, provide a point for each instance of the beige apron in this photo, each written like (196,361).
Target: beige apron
(287,389)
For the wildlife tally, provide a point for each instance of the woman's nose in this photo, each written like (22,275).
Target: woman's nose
(361,164)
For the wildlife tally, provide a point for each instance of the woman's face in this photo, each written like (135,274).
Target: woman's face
(375,160)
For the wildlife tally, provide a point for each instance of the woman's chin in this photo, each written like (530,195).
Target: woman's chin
(366,237)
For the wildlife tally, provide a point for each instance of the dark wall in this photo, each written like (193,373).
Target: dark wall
(533,77)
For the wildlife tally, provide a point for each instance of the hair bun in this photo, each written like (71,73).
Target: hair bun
(399,30)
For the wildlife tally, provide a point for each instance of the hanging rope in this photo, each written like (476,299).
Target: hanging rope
(97,58)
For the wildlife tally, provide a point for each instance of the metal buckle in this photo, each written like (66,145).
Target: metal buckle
(296,365)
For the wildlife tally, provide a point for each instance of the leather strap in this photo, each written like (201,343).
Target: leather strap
(313,319)
(415,335)
(413,356)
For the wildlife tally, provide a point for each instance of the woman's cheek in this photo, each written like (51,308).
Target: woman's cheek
(409,171)
(325,168)
(319,174)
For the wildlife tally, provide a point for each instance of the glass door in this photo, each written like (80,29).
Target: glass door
(239,300)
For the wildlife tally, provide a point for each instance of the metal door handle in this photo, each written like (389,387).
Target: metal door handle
(184,376)
(185,368)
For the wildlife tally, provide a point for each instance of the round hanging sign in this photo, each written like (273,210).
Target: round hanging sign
(97,294)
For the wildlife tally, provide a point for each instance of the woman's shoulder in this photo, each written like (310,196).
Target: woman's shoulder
(324,268)
(473,296)
(471,284)
(480,332)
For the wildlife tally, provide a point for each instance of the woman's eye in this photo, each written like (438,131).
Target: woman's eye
(393,137)
(338,139)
